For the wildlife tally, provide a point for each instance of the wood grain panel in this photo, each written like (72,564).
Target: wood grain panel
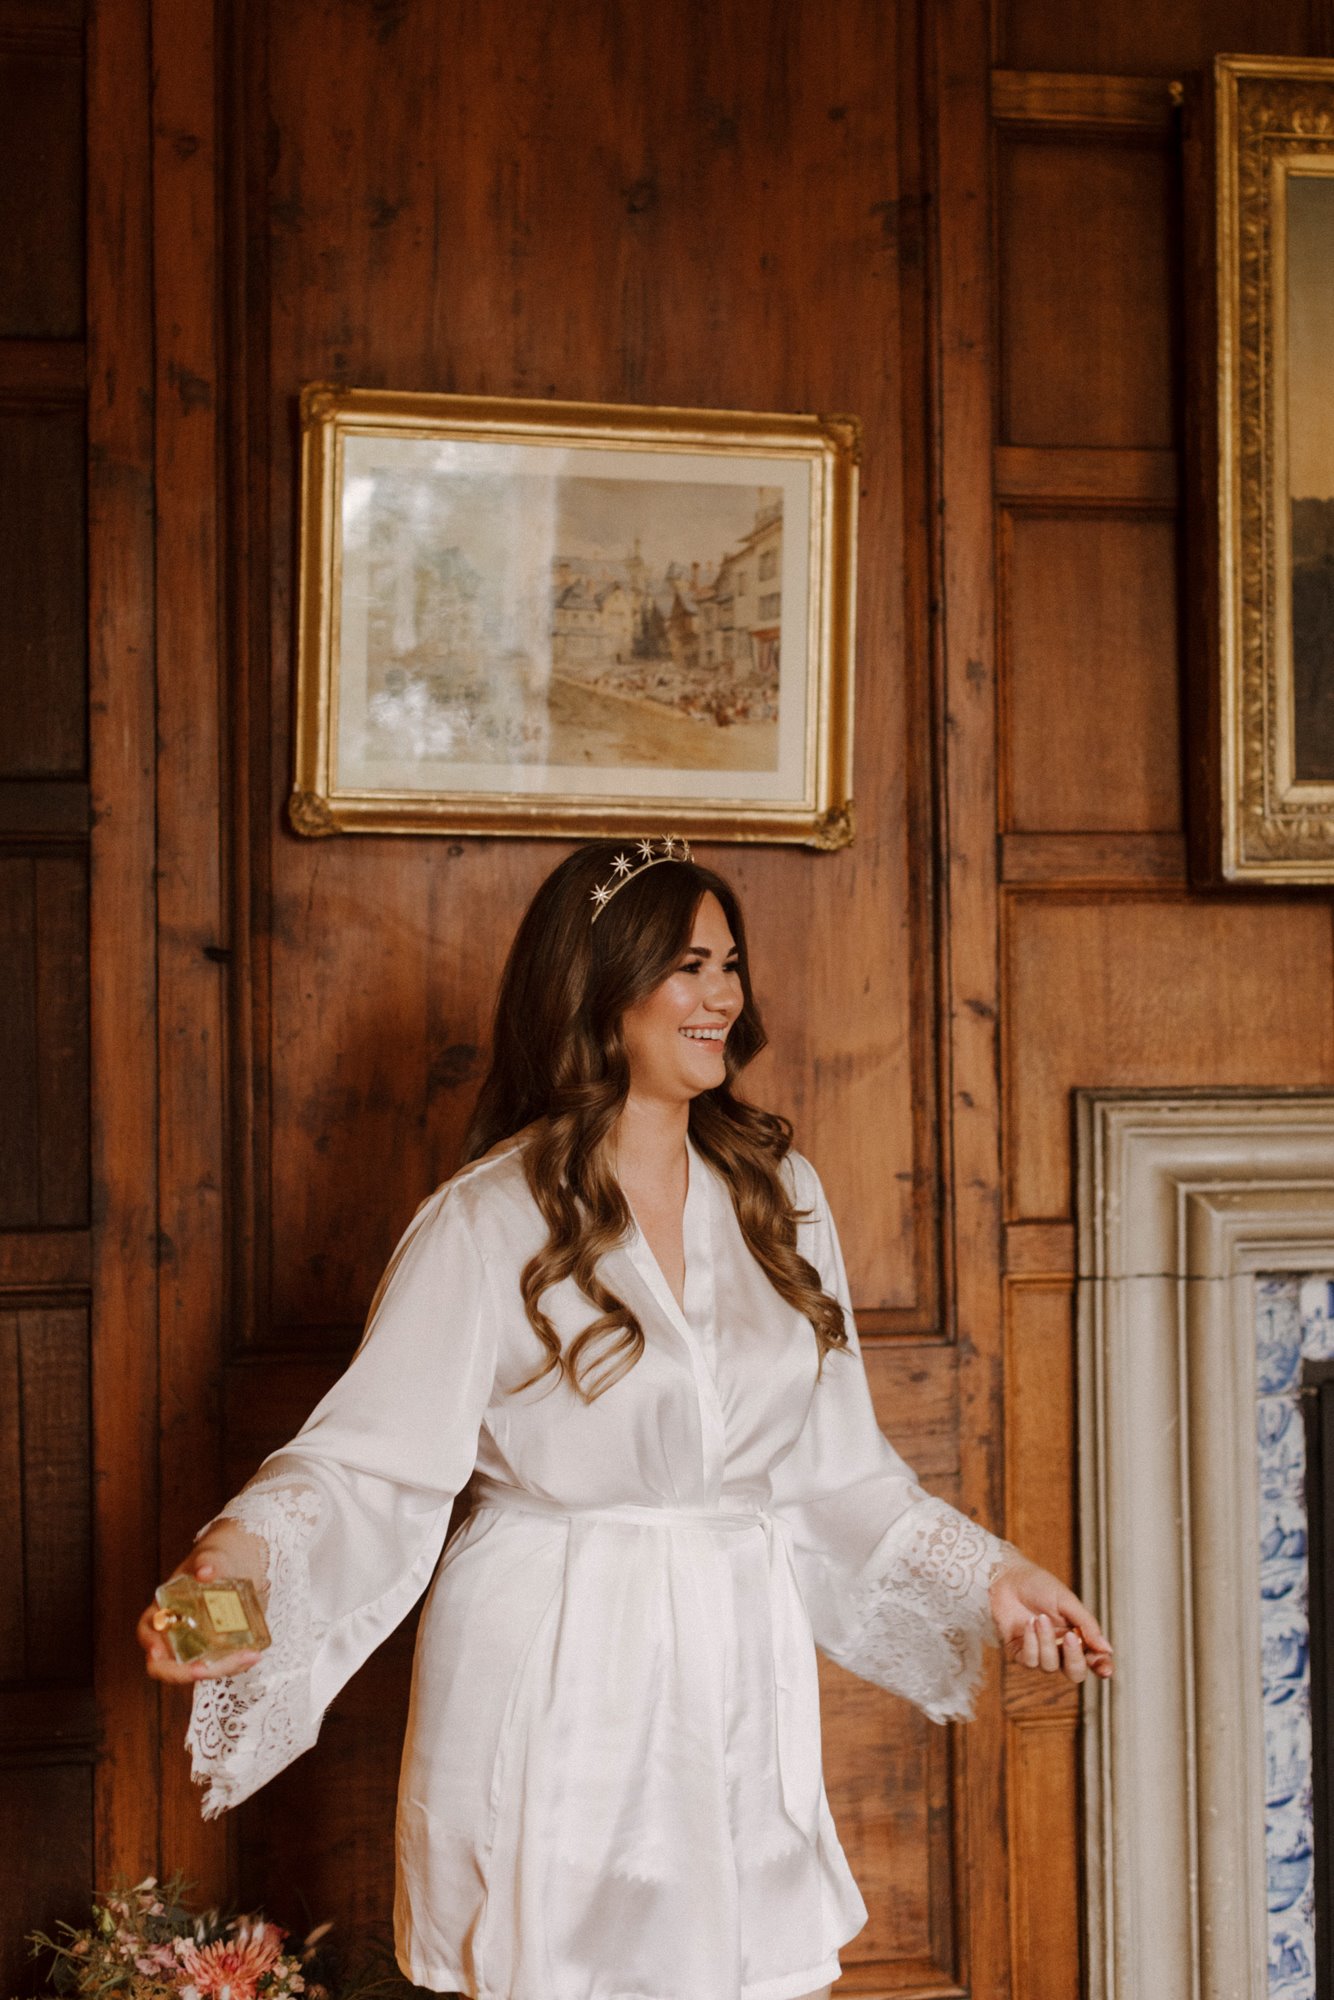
(1092,103)
(41,189)
(1117,992)
(48,23)
(39,1260)
(42,370)
(915,1389)
(20,1190)
(1040,1427)
(1087,476)
(43,1042)
(1085,293)
(1048,1697)
(47,1725)
(46,1837)
(13,1621)
(1090,709)
(887,1775)
(1044,1857)
(57,1496)
(60,897)
(45,1497)
(43,644)
(37,811)
(1039,1249)
(456,267)
(1156,40)
(1094,860)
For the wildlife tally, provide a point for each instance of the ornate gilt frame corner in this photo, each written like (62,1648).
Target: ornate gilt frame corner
(823,819)
(1264,827)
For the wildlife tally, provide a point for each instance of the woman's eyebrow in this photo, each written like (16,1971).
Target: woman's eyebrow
(703,951)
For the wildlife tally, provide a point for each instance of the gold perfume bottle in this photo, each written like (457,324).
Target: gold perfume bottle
(206,1621)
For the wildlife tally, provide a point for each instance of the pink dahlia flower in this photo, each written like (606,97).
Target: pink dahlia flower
(232,1968)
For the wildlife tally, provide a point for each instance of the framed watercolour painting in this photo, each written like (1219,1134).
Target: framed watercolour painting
(1260,161)
(572,618)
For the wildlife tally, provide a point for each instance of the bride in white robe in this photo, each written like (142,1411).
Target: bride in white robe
(611,1785)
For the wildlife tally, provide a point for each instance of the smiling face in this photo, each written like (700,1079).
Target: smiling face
(674,1039)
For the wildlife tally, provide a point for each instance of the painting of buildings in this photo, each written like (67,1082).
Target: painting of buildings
(660,648)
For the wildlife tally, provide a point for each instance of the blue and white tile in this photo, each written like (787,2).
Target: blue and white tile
(1294,1320)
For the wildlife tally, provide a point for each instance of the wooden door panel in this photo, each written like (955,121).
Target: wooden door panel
(46,1820)
(1044,1855)
(1109,36)
(43,1039)
(43,643)
(1040,1421)
(1090,708)
(41,181)
(1084,280)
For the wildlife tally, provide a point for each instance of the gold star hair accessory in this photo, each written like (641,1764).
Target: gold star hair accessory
(671,847)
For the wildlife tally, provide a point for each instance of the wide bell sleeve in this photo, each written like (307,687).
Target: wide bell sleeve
(353,1512)
(895,1580)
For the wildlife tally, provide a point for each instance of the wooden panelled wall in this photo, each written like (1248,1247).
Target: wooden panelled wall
(961,223)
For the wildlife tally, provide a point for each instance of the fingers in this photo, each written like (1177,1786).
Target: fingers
(1043,1625)
(1040,1644)
(161,1662)
(1095,1639)
(163,1665)
(1096,1645)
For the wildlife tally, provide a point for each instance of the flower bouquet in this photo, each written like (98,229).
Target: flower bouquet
(145,1944)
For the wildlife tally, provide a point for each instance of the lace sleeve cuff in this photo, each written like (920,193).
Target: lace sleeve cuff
(248,1727)
(920,1612)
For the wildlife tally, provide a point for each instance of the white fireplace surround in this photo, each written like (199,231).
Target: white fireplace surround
(1183,1198)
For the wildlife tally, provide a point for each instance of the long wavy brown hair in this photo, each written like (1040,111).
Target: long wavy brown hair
(559,1065)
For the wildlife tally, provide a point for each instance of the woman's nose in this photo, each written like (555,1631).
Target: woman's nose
(719,997)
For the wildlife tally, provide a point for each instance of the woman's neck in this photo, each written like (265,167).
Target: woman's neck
(648,1141)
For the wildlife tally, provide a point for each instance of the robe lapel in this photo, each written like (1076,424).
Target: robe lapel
(694,1327)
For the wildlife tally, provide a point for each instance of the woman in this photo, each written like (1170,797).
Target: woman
(628,1316)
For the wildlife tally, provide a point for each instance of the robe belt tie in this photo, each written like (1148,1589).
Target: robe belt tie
(795,1676)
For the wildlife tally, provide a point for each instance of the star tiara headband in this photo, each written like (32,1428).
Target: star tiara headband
(623,869)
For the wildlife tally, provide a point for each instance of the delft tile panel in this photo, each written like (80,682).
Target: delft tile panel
(1294,1320)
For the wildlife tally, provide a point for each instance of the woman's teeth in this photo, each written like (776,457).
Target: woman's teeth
(705,1034)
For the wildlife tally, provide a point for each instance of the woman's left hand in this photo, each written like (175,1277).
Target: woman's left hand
(1041,1623)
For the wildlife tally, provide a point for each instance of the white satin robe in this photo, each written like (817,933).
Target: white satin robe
(611,1785)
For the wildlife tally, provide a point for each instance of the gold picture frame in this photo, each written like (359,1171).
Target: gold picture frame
(1260,210)
(568,619)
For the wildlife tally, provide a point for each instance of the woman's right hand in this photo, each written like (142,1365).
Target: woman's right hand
(225,1549)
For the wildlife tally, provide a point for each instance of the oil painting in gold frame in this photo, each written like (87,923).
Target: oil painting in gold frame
(543,618)
(1260,195)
